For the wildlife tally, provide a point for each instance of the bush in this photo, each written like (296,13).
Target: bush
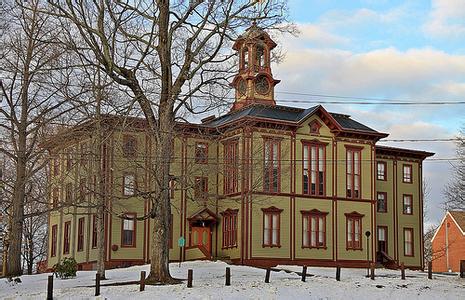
(66,269)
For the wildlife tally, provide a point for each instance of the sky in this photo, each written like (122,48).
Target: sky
(396,50)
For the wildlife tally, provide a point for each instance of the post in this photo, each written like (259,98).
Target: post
(267,275)
(367,234)
(430,270)
(50,287)
(228,276)
(97,284)
(372,271)
(142,281)
(462,269)
(189,278)
(304,273)
(338,273)
(402,271)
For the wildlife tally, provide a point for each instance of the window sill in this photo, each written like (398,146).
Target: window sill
(271,246)
(317,248)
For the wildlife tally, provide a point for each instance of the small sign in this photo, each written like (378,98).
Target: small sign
(181,242)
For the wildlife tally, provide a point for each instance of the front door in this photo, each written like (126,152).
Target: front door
(201,236)
(382,239)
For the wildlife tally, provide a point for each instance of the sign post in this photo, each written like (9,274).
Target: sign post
(181,244)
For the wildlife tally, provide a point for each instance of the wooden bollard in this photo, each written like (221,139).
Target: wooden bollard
(190,274)
(228,276)
(50,287)
(430,270)
(304,273)
(97,284)
(402,271)
(372,271)
(267,275)
(462,269)
(142,281)
(338,273)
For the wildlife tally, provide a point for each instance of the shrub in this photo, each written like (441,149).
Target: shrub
(66,269)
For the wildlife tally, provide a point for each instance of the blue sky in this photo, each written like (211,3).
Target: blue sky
(411,50)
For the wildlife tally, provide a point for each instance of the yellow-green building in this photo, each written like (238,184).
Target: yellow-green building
(262,185)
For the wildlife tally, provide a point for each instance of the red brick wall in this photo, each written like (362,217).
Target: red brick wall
(456,247)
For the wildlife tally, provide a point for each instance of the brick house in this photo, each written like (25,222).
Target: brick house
(448,243)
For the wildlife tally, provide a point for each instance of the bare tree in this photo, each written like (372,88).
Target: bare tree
(33,89)
(455,190)
(170,55)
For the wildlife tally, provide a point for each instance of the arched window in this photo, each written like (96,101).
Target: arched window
(245,57)
(260,56)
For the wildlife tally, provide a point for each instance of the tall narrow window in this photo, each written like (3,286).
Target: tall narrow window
(353,172)
(260,56)
(69,193)
(55,198)
(381,202)
(354,231)
(407,173)
(271,226)
(129,146)
(129,184)
(382,239)
(82,190)
(271,165)
(408,241)
(128,231)
(94,231)
(66,236)
(69,162)
(314,167)
(381,170)
(231,153)
(56,166)
(245,57)
(53,248)
(84,154)
(314,229)
(230,228)
(408,205)
(172,186)
(201,189)
(201,153)
(80,242)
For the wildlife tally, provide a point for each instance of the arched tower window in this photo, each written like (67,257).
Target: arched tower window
(245,57)
(260,56)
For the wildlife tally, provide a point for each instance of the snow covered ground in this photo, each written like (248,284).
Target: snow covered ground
(246,283)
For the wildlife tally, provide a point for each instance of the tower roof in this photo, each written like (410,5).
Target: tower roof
(254,33)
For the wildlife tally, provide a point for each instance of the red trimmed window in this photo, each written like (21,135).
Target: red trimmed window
(230,228)
(129,146)
(128,230)
(353,172)
(271,165)
(69,193)
(66,236)
(408,241)
(314,229)
(354,231)
(55,198)
(408,204)
(80,237)
(407,173)
(84,154)
(129,184)
(201,188)
(56,166)
(69,162)
(381,170)
(231,153)
(271,226)
(314,168)
(53,248)
(201,153)
(94,231)
(381,205)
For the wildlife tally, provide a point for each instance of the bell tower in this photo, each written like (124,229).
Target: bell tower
(254,82)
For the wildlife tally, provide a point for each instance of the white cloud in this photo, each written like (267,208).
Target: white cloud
(317,36)
(447,19)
